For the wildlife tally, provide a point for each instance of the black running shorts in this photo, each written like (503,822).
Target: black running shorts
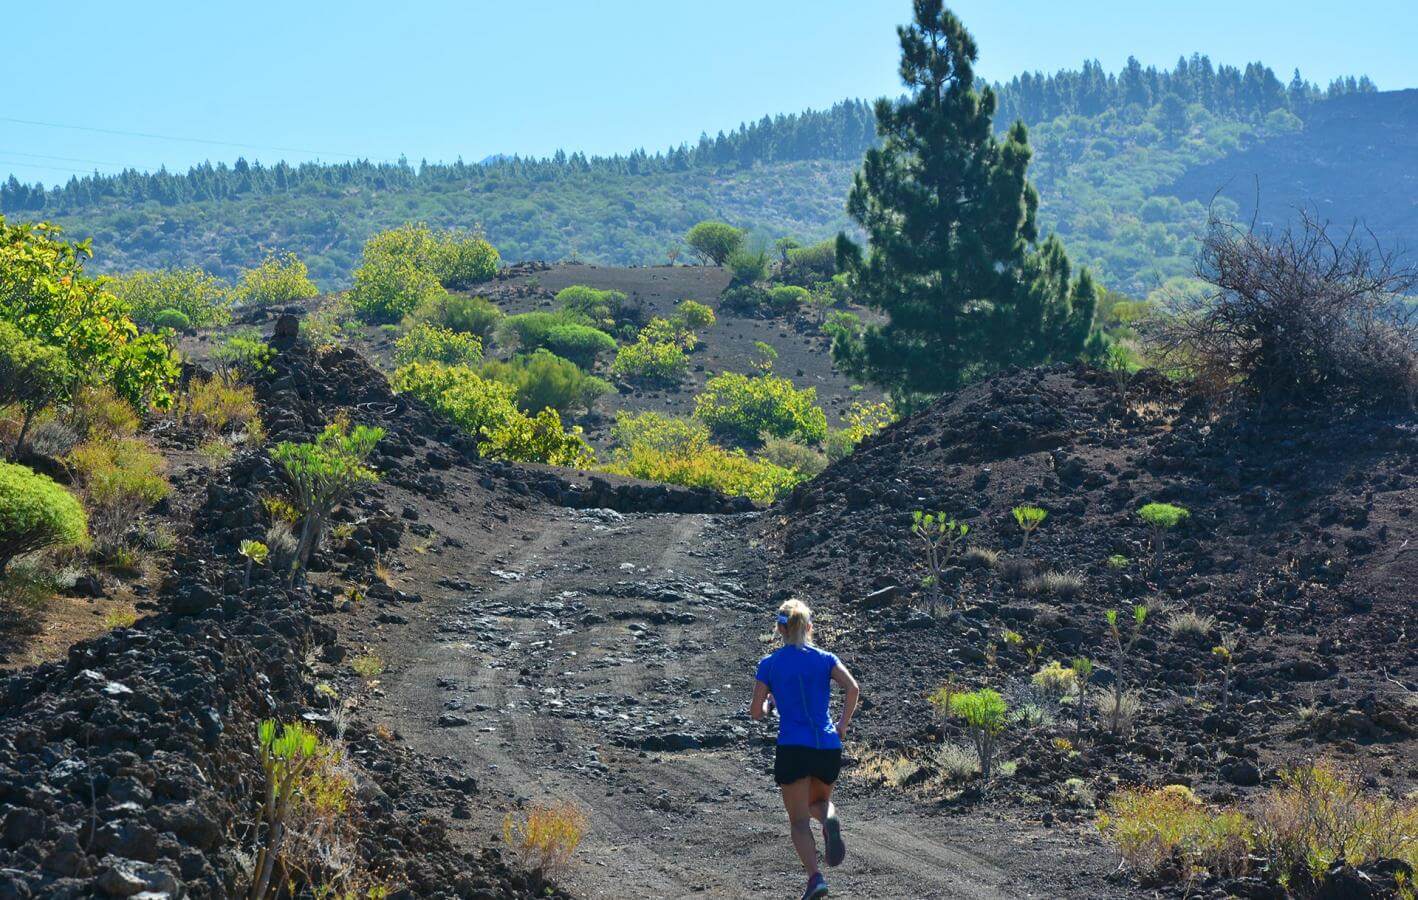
(793,763)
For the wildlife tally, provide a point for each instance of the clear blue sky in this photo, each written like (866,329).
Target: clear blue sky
(301,79)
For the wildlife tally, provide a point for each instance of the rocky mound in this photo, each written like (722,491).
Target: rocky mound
(1301,542)
(131,767)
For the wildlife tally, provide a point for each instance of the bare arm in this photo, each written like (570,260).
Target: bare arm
(761,703)
(848,684)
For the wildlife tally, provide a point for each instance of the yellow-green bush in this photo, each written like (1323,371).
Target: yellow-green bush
(1154,828)
(727,471)
(863,420)
(199,295)
(277,280)
(119,478)
(464,258)
(1321,814)
(602,309)
(695,316)
(660,330)
(389,287)
(36,513)
(434,343)
(746,407)
(544,380)
(650,361)
(218,405)
(656,431)
(657,447)
(539,438)
(474,315)
(791,454)
(98,412)
(488,409)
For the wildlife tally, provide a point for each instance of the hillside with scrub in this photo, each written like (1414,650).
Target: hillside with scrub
(1108,150)
(389,562)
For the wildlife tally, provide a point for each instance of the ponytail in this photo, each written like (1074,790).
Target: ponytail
(795,623)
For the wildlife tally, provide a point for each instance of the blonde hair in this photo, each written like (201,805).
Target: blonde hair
(798,627)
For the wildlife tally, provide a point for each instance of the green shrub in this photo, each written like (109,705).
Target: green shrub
(433,343)
(694,316)
(173,319)
(276,281)
(543,380)
(984,713)
(842,325)
(746,407)
(790,454)
(602,309)
(195,293)
(656,431)
(487,409)
(539,438)
(33,375)
(727,471)
(389,287)
(581,344)
(863,420)
(787,298)
(464,259)
(218,405)
(45,294)
(472,315)
(1155,828)
(36,513)
(714,242)
(660,330)
(324,472)
(1163,517)
(243,355)
(119,478)
(1029,518)
(817,262)
(747,266)
(655,362)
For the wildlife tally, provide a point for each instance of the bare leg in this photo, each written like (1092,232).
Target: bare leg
(820,803)
(820,800)
(796,800)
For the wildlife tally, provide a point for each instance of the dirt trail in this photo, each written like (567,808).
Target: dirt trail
(604,658)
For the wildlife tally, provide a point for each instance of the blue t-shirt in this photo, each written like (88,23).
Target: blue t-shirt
(800,679)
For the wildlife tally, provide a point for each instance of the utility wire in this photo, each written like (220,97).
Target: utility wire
(166,137)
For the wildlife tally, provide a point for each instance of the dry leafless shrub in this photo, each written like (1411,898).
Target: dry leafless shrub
(1296,317)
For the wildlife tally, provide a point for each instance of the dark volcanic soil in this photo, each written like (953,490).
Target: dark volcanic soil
(1302,543)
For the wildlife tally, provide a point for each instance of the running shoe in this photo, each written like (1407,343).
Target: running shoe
(816,887)
(832,837)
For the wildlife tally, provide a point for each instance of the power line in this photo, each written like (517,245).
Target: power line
(30,165)
(166,137)
(97,162)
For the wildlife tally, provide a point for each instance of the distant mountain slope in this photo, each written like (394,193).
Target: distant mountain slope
(1125,164)
(1355,161)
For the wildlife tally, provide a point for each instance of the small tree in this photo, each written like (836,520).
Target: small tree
(1225,655)
(941,538)
(32,376)
(1029,518)
(255,553)
(714,242)
(984,713)
(1163,517)
(1122,652)
(324,473)
(36,513)
(1082,674)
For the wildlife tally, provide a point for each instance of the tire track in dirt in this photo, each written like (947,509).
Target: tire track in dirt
(553,685)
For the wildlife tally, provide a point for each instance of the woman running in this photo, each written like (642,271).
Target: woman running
(796,678)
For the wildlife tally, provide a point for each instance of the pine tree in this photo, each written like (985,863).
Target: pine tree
(954,258)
